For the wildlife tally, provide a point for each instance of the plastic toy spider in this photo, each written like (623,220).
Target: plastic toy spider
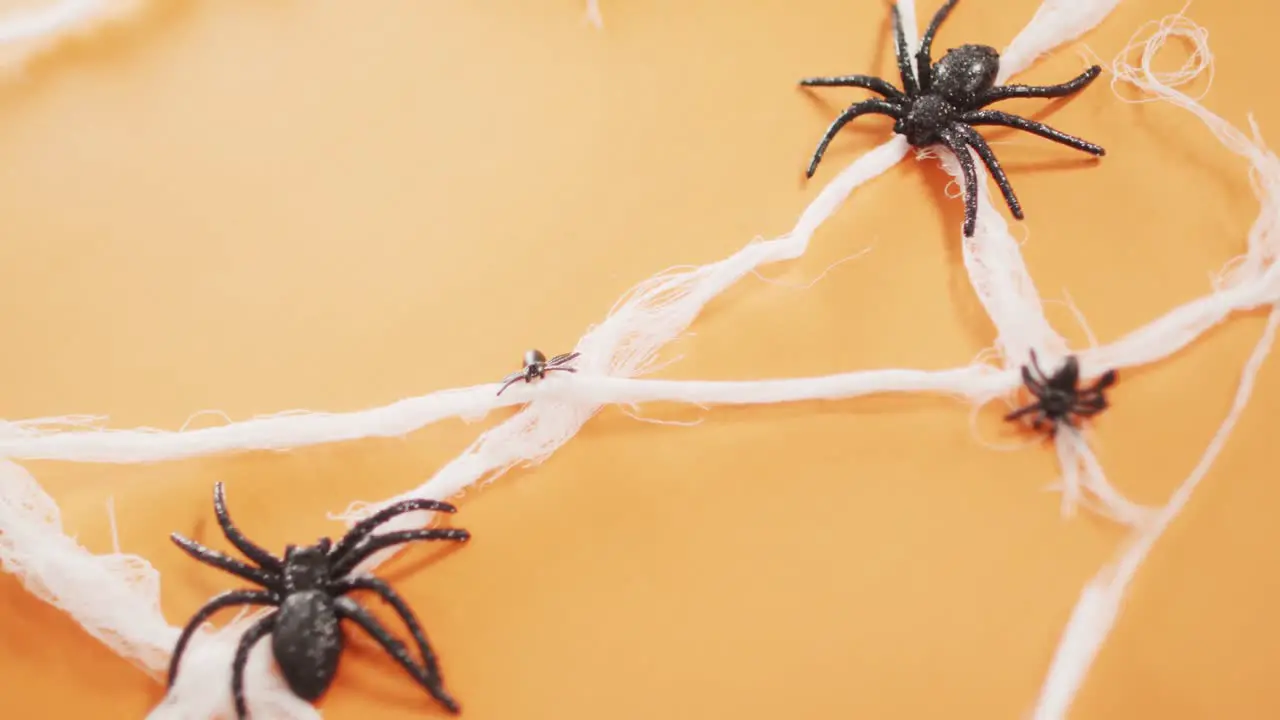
(1059,399)
(939,103)
(536,365)
(308,587)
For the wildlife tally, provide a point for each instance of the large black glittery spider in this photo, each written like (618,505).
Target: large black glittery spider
(940,103)
(308,587)
(1059,398)
(536,365)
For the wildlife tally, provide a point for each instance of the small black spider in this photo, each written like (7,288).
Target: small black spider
(1059,398)
(940,102)
(536,365)
(307,588)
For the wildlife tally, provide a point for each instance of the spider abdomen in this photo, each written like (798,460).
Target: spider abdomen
(307,642)
(965,72)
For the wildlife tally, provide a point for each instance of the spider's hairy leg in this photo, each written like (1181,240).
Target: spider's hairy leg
(1024,410)
(924,57)
(225,600)
(1035,363)
(397,603)
(349,560)
(1088,410)
(997,117)
(1106,380)
(909,82)
(1070,87)
(237,538)
(970,175)
(867,82)
(1068,376)
(866,107)
(362,529)
(1035,385)
(562,359)
(510,380)
(976,141)
(229,564)
(349,610)
(256,632)
(1096,401)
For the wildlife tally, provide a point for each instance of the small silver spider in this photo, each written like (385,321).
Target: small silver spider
(536,365)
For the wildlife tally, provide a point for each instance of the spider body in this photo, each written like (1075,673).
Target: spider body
(308,588)
(307,642)
(536,365)
(1059,398)
(941,103)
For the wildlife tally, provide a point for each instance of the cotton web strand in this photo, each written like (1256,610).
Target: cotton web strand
(1099,604)
(26,34)
(593,14)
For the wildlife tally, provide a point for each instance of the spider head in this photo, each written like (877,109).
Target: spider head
(307,567)
(964,72)
(1057,404)
(928,115)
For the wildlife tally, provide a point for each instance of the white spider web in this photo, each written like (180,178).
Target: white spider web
(124,610)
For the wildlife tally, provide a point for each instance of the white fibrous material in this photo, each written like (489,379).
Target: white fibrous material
(1249,281)
(27,34)
(593,13)
(115,597)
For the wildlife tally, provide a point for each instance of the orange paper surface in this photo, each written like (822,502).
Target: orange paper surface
(259,206)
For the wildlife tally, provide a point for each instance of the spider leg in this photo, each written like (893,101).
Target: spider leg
(1106,380)
(256,632)
(1005,92)
(510,380)
(970,174)
(355,556)
(348,609)
(1035,363)
(924,58)
(976,141)
(909,82)
(224,562)
(867,82)
(1097,403)
(562,359)
(562,369)
(250,549)
(878,107)
(362,529)
(225,600)
(432,680)
(1036,387)
(1025,410)
(998,117)
(1068,376)
(1087,411)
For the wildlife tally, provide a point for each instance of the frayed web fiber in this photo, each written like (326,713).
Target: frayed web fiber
(616,354)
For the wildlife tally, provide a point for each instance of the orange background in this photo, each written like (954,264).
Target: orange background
(255,206)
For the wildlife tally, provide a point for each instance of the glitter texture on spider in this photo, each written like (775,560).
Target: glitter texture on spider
(1059,397)
(940,103)
(536,365)
(308,588)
